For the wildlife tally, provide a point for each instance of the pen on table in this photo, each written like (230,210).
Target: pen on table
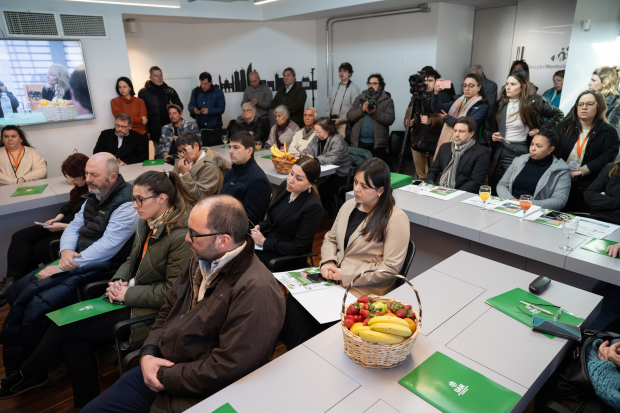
(537,308)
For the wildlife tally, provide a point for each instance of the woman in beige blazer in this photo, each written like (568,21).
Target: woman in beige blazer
(369,233)
(19,162)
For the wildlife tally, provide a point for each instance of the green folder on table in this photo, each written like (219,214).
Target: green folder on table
(29,190)
(266,157)
(261,149)
(398,180)
(454,388)
(48,265)
(508,302)
(227,408)
(82,311)
(153,162)
(599,246)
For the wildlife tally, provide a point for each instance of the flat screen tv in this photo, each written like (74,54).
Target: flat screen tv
(43,81)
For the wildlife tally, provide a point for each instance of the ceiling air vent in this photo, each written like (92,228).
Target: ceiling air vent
(76,25)
(20,24)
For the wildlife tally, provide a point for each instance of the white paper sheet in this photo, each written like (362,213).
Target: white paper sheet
(297,282)
(325,305)
(595,229)
(477,201)
(432,191)
(513,208)
(328,167)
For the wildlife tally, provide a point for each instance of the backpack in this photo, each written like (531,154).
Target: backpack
(196,93)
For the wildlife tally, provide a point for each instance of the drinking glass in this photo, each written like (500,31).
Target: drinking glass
(525,202)
(258,145)
(485,194)
(225,140)
(27,109)
(569,227)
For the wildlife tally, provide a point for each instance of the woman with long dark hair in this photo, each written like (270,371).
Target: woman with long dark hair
(512,123)
(31,246)
(19,161)
(128,103)
(369,233)
(587,144)
(159,253)
(522,66)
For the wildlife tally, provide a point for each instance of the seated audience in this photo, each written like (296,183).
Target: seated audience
(293,217)
(249,121)
(554,94)
(98,237)
(245,180)
(202,169)
(512,122)
(126,102)
(603,195)
(329,148)
(471,104)
(489,86)
(167,147)
(303,136)
(283,130)
(259,95)
(218,323)
(587,144)
(605,80)
(127,145)
(22,162)
(31,246)
(463,163)
(341,98)
(208,103)
(158,255)
(156,95)
(369,233)
(292,95)
(538,174)
(372,114)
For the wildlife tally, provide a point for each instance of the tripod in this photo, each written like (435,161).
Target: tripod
(418,106)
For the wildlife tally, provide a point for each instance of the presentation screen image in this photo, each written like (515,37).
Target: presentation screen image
(43,81)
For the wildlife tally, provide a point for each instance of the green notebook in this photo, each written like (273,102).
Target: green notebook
(154,162)
(508,302)
(261,149)
(82,311)
(599,246)
(227,408)
(454,388)
(29,190)
(266,157)
(398,180)
(48,265)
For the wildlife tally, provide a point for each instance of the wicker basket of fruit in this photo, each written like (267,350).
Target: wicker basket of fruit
(57,109)
(379,332)
(282,161)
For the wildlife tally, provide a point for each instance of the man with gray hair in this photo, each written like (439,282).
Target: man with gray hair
(127,146)
(292,95)
(303,136)
(259,95)
(489,86)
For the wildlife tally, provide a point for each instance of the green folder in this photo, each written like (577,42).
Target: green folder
(398,180)
(29,190)
(258,247)
(599,246)
(82,311)
(154,162)
(227,408)
(261,149)
(508,302)
(266,157)
(49,265)
(454,388)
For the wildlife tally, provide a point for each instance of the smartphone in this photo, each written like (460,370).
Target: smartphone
(106,298)
(416,183)
(553,214)
(444,84)
(43,224)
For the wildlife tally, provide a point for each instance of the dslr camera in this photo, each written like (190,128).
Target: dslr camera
(372,105)
(333,117)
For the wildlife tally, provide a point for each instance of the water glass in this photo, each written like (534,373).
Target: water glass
(27,109)
(569,227)
(225,140)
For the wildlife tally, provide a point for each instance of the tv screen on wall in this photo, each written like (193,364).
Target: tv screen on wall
(43,81)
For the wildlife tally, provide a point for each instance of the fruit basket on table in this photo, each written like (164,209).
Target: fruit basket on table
(57,109)
(282,161)
(378,340)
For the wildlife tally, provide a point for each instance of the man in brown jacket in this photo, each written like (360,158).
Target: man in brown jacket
(219,321)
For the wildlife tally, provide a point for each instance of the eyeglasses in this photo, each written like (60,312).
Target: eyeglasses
(372,84)
(470,86)
(121,126)
(184,150)
(193,235)
(247,110)
(588,104)
(139,201)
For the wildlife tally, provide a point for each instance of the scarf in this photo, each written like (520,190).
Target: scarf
(459,108)
(448,178)
(280,130)
(156,222)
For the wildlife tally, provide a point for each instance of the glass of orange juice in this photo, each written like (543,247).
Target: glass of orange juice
(258,145)
(485,194)
(525,202)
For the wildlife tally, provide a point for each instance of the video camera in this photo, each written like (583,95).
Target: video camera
(417,83)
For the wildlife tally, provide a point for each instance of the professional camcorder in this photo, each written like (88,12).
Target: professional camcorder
(417,83)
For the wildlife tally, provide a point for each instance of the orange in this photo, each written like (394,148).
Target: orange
(390,314)
(412,325)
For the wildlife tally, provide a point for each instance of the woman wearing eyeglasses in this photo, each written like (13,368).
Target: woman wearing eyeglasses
(249,121)
(588,144)
(158,254)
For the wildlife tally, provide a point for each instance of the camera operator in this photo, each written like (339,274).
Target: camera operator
(372,114)
(423,144)
(341,98)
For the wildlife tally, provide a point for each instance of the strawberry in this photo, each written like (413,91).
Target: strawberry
(378,312)
(366,321)
(400,313)
(358,318)
(352,310)
(408,307)
(390,311)
(363,299)
(348,323)
(364,313)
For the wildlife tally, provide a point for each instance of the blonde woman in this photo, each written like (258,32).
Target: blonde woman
(57,83)
(605,79)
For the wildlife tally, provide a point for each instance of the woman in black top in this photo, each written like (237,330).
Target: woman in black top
(293,217)
(587,144)
(31,246)
(603,195)
(249,121)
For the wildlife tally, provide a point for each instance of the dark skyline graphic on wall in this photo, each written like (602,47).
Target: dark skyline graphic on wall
(240,80)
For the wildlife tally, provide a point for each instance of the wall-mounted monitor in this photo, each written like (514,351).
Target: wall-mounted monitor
(43,81)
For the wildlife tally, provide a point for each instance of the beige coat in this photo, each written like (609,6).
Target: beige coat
(362,255)
(32,166)
(298,144)
(205,178)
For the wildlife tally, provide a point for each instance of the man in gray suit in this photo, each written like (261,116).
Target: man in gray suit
(489,86)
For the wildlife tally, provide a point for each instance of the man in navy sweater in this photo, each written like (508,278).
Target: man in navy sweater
(246,181)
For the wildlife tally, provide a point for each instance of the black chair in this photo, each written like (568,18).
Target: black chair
(340,194)
(278,264)
(407,264)
(212,137)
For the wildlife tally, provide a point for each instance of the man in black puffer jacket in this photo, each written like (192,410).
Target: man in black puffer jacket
(156,95)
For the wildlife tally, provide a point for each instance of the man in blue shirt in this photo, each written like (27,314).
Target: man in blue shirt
(208,103)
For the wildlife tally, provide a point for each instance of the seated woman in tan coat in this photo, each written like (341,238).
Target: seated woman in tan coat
(369,233)
(19,162)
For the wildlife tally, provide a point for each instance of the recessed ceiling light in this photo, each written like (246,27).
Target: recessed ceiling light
(128,3)
(257,2)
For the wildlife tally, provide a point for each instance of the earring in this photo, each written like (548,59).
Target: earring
(310,190)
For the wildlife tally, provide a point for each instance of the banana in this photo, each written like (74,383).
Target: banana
(389,320)
(356,330)
(391,329)
(277,152)
(379,337)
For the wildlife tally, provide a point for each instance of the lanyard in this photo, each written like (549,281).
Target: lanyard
(343,95)
(15,161)
(147,242)
(583,144)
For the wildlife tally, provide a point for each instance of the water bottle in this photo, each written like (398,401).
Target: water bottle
(5,102)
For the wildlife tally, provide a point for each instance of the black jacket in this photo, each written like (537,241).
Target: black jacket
(294,100)
(156,98)
(542,107)
(604,207)
(69,210)
(134,149)
(472,168)
(48,93)
(249,184)
(258,127)
(292,231)
(613,111)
